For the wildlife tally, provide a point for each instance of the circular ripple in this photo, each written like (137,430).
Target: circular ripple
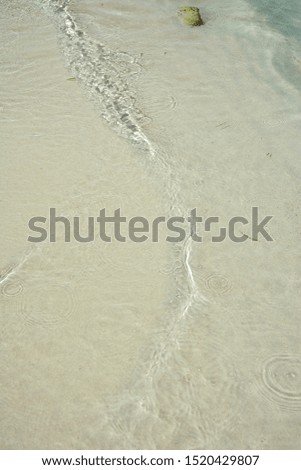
(212,379)
(172,268)
(11,288)
(160,104)
(47,305)
(218,284)
(281,378)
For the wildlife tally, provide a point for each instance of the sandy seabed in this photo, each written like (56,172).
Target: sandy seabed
(147,345)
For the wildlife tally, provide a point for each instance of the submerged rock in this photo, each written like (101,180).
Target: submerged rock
(190,16)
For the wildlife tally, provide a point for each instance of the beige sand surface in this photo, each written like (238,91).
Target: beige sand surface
(147,345)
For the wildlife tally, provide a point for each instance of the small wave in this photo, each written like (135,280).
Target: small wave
(103,73)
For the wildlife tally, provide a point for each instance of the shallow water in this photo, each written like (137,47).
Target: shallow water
(149,345)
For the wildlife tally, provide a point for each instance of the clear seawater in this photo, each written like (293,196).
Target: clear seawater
(150,345)
(284,18)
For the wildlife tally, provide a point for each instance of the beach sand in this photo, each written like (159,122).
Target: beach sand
(148,345)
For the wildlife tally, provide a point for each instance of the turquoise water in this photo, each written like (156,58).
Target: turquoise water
(284,18)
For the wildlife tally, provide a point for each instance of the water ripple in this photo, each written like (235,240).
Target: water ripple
(281,381)
(218,284)
(12,288)
(47,304)
(105,74)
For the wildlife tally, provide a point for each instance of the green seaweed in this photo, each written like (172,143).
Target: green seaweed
(190,16)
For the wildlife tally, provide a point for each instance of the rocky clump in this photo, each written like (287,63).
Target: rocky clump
(190,16)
